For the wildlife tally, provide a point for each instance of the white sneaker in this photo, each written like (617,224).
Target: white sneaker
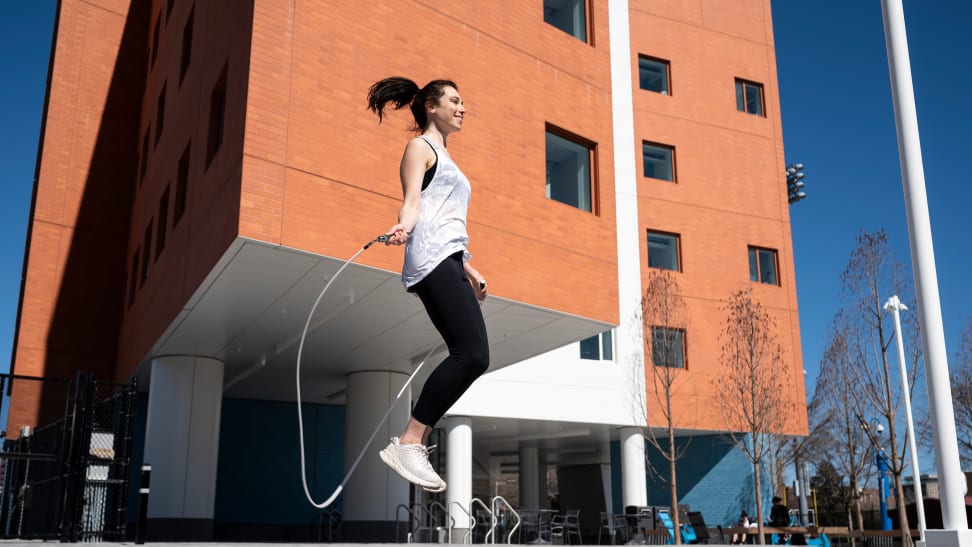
(411,462)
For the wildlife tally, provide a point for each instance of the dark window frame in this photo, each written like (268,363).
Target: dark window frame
(588,24)
(601,344)
(133,277)
(182,186)
(147,255)
(591,147)
(644,165)
(163,225)
(742,99)
(155,40)
(678,248)
(754,251)
(145,155)
(668,73)
(186,56)
(160,113)
(661,360)
(217,117)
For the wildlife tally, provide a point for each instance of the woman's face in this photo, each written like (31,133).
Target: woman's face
(447,114)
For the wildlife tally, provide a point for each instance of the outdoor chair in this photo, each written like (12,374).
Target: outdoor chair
(697,523)
(613,524)
(566,526)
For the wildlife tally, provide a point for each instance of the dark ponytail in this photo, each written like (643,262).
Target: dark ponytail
(402,91)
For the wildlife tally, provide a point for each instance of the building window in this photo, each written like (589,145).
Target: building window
(133,279)
(762,266)
(160,114)
(182,186)
(569,16)
(147,255)
(155,40)
(598,347)
(187,45)
(663,251)
(749,97)
(569,167)
(653,74)
(668,347)
(217,117)
(659,160)
(163,223)
(144,158)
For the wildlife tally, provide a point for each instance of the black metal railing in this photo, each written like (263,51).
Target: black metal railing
(68,479)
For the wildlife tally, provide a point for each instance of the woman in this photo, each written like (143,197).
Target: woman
(743,523)
(432,225)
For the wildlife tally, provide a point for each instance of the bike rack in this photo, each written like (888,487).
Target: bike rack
(412,518)
(509,537)
(445,513)
(469,515)
(429,518)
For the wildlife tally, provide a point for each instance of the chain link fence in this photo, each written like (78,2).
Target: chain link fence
(67,479)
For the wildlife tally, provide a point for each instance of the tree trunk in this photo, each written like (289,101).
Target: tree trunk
(902,512)
(759,504)
(673,484)
(860,513)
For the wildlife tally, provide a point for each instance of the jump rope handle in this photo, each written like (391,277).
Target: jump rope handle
(383,238)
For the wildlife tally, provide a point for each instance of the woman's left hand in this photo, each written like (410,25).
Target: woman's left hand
(477,280)
(480,287)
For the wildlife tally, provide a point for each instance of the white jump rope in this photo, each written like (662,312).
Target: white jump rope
(300,416)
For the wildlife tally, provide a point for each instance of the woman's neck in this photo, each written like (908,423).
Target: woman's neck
(433,132)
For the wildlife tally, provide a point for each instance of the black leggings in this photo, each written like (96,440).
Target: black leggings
(453,308)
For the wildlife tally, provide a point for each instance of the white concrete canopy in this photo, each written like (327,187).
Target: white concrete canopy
(250,310)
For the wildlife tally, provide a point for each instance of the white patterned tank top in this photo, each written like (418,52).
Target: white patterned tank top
(441,228)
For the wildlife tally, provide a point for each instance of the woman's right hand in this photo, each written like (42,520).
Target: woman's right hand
(397,235)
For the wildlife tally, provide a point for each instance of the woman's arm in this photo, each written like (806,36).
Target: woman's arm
(418,157)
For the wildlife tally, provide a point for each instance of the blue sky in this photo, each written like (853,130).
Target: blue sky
(837,120)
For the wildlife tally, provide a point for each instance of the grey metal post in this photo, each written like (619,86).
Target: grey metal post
(804,484)
(143,495)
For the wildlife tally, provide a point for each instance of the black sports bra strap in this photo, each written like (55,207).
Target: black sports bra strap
(430,172)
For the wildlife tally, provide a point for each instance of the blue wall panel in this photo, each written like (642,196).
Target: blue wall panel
(258,478)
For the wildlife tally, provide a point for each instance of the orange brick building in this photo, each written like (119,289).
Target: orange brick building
(207,165)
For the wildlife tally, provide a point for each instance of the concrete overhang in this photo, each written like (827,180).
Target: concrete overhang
(252,307)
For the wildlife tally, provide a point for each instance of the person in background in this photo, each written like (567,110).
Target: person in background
(738,538)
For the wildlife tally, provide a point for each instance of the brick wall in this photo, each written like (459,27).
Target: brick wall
(729,191)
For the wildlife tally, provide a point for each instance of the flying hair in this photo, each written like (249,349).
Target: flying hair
(401,92)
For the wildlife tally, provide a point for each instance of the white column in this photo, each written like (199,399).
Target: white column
(374,491)
(182,436)
(458,471)
(634,482)
(926,283)
(529,476)
(630,332)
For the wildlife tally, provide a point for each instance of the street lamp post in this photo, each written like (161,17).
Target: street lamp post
(884,488)
(895,306)
(871,431)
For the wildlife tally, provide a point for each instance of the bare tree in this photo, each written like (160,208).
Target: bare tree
(665,323)
(752,387)
(837,393)
(962,394)
(871,276)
